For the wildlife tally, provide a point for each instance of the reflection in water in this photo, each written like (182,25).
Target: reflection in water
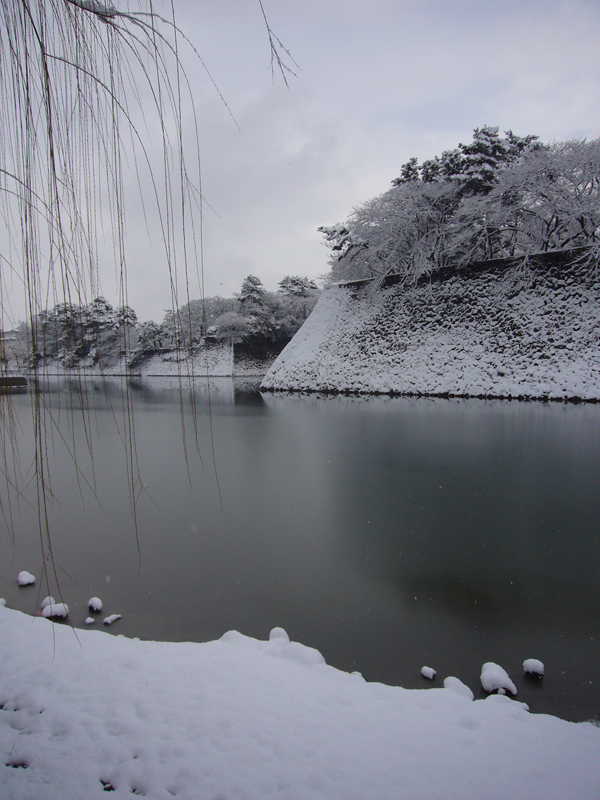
(387,532)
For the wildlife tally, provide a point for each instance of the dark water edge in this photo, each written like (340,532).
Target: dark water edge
(389,533)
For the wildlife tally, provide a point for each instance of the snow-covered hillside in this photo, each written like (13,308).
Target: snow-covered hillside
(494,330)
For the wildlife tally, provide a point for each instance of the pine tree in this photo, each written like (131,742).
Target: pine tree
(252,292)
(408,172)
(483,159)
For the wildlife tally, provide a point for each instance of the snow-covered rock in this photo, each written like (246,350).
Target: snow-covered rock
(55,610)
(47,601)
(533,666)
(495,678)
(89,621)
(110,619)
(95,604)
(428,672)
(494,331)
(25,578)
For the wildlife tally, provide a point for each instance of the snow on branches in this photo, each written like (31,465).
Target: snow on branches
(492,198)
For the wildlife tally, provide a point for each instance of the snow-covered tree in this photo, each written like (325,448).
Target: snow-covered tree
(295,300)
(231,327)
(125,317)
(483,158)
(192,321)
(252,292)
(408,172)
(295,286)
(494,197)
(150,337)
(171,329)
(403,230)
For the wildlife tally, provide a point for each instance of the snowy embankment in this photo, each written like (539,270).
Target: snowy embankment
(496,331)
(85,712)
(214,360)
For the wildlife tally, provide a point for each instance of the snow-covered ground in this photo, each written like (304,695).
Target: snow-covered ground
(493,333)
(84,712)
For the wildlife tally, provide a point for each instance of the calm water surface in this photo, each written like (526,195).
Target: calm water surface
(387,533)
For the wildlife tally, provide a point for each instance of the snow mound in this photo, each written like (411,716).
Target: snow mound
(458,687)
(89,621)
(428,672)
(25,578)
(55,610)
(95,604)
(494,677)
(278,634)
(2,601)
(110,619)
(47,601)
(533,666)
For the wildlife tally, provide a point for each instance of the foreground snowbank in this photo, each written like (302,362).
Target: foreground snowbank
(493,332)
(241,718)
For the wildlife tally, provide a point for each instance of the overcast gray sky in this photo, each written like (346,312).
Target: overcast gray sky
(378,81)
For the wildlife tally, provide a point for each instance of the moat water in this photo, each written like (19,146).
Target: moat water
(389,533)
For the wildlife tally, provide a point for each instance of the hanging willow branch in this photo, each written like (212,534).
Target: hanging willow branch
(87,90)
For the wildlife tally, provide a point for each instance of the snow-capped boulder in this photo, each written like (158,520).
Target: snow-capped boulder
(55,610)
(533,667)
(95,604)
(112,618)
(47,601)
(494,677)
(25,578)
(428,672)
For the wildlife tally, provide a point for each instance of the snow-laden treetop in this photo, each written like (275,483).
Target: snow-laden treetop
(495,197)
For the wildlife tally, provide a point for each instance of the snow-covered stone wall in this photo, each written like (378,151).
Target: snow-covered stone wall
(214,360)
(499,329)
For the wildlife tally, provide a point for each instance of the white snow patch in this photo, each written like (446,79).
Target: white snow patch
(47,601)
(494,677)
(110,619)
(428,672)
(25,578)
(2,601)
(95,604)
(89,621)
(533,666)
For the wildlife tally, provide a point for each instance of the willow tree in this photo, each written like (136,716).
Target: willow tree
(86,89)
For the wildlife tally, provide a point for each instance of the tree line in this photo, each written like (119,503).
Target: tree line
(100,334)
(495,197)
